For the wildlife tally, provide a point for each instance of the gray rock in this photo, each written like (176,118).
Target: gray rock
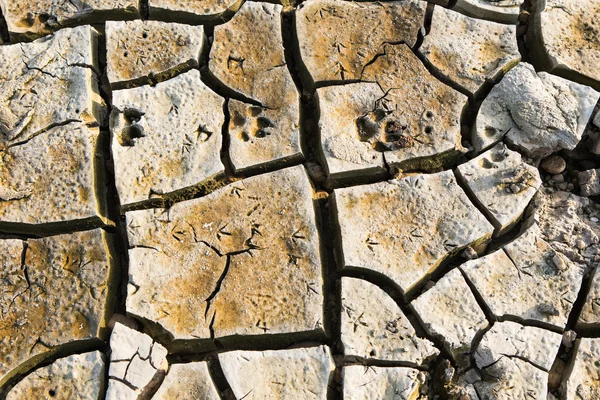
(503,11)
(138,50)
(165,137)
(187,381)
(335,43)
(589,182)
(382,383)
(54,293)
(538,113)
(467,51)
(502,184)
(382,333)
(401,228)
(302,373)
(243,260)
(449,310)
(582,378)
(248,57)
(135,360)
(79,376)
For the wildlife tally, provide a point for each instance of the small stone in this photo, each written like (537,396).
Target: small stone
(187,381)
(554,165)
(401,229)
(361,382)
(135,361)
(80,376)
(468,51)
(165,137)
(193,11)
(570,187)
(31,19)
(580,244)
(334,44)
(594,219)
(302,373)
(503,11)
(509,339)
(449,310)
(538,113)
(489,175)
(383,333)
(563,186)
(558,178)
(582,380)
(589,182)
(137,50)
(568,339)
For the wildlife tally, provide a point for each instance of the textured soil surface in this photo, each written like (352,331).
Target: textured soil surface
(229,199)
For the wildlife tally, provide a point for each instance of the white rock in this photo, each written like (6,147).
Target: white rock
(165,137)
(80,376)
(34,18)
(49,82)
(509,339)
(468,51)
(511,379)
(394,118)
(503,11)
(299,373)
(192,10)
(450,310)
(187,381)
(338,39)
(401,228)
(50,178)
(537,112)
(268,132)
(150,49)
(583,378)
(54,293)
(382,383)
(589,182)
(382,333)
(134,361)
(243,260)
(502,184)
(565,33)
(523,281)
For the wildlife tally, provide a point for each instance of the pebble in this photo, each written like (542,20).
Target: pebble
(554,165)
(594,219)
(558,178)
(570,187)
(563,186)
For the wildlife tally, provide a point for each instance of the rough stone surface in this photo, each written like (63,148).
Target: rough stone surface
(583,379)
(49,178)
(192,10)
(382,333)
(449,310)
(538,113)
(570,34)
(511,379)
(285,374)
(165,137)
(589,182)
(338,39)
(597,119)
(503,11)
(242,260)
(590,314)
(468,51)
(141,49)
(382,383)
(389,120)
(55,296)
(49,82)
(527,279)
(248,57)
(187,381)
(135,360)
(79,376)
(401,229)
(508,339)
(502,184)
(40,17)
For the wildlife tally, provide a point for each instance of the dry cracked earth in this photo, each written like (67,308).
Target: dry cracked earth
(219,199)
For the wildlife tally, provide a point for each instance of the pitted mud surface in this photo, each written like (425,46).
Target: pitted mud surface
(209,199)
